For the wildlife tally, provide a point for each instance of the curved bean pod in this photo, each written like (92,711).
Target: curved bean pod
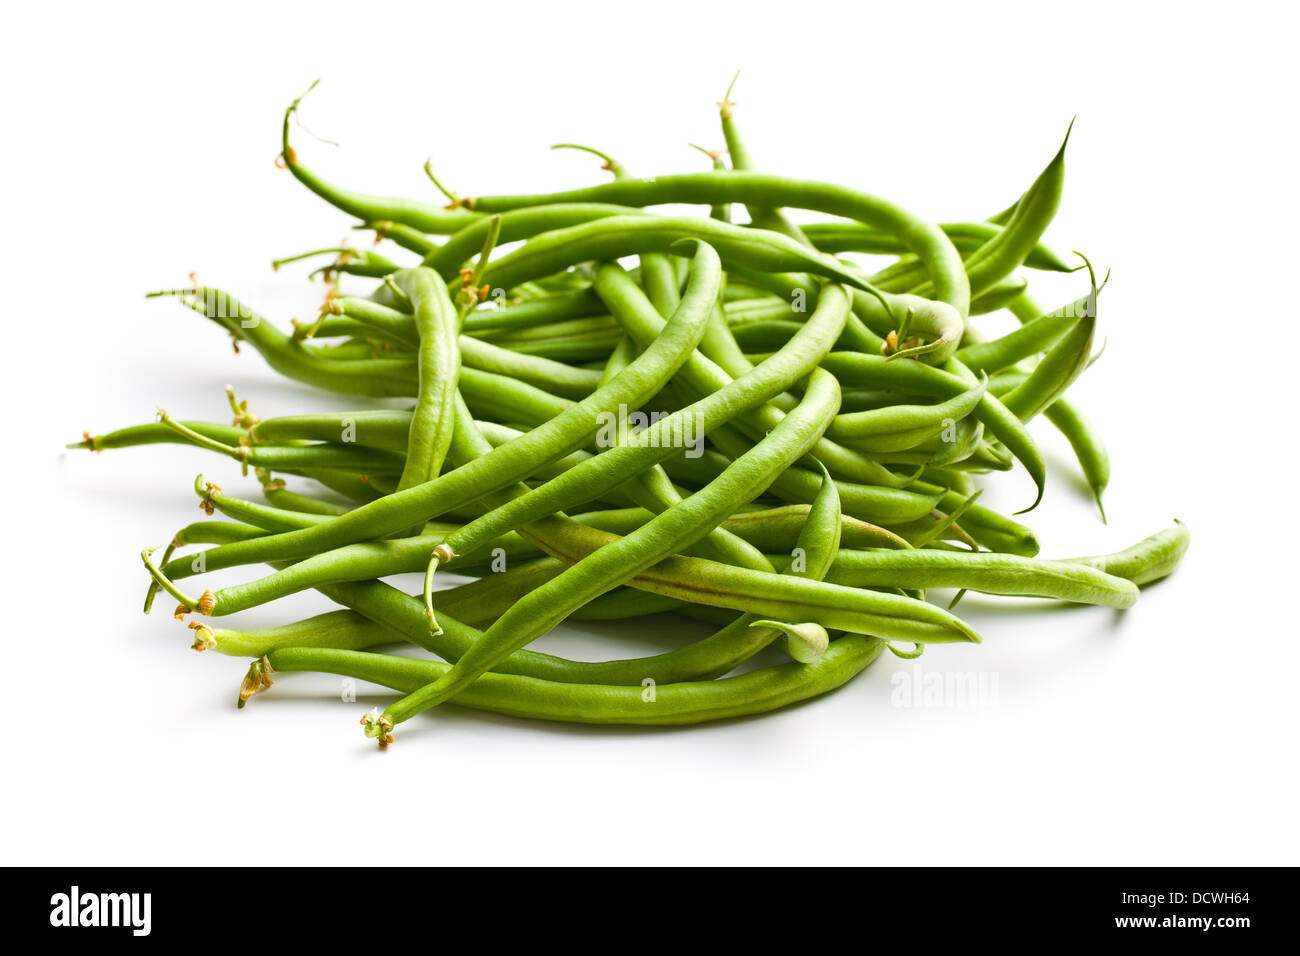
(1089,448)
(1063,363)
(1022,343)
(691,702)
(1002,254)
(1149,560)
(900,427)
(516,225)
(439,369)
(336,630)
(983,571)
(417,215)
(618,236)
(942,261)
(763,217)
(967,237)
(155,433)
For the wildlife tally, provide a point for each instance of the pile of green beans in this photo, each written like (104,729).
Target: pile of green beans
(634,415)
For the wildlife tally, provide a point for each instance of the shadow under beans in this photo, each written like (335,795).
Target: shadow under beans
(1067,470)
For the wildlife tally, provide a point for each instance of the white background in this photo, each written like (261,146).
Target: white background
(138,147)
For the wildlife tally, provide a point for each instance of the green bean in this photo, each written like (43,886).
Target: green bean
(295,457)
(660,281)
(503,397)
(553,376)
(356,562)
(769,529)
(763,217)
(764,335)
(347,260)
(470,606)
(609,163)
(946,525)
(941,324)
(985,572)
(991,529)
(774,529)
(869,399)
(926,240)
(623,353)
(1057,370)
(583,347)
(266,517)
(202,532)
(965,236)
(620,604)
(700,581)
(547,332)
(214,532)
(412,240)
(756,692)
(157,433)
(868,503)
(420,216)
(765,308)
(1088,446)
(999,295)
(900,427)
(337,630)
(516,225)
(375,377)
(357,333)
(815,550)
(655,492)
(948,382)
(1004,217)
(354,349)
(739,289)
(722,212)
(487,599)
(1149,560)
(375,428)
(1026,341)
(936,528)
(958,481)
(439,371)
(617,236)
(279,496)
(1087,443)
(356,488)
(575,304)
(393,324)
(957,442)
(1001,255)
